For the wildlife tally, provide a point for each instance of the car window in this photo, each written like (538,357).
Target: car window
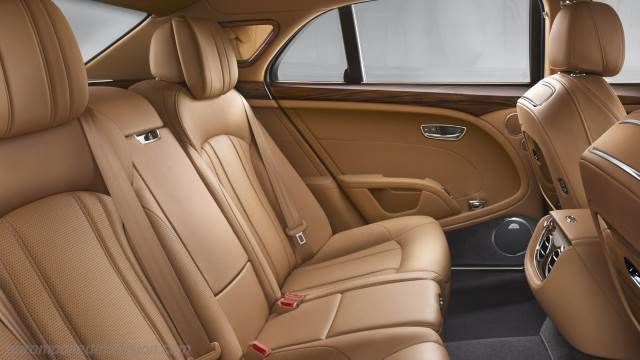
(97,25)
(444,41)
(629,13)
(316,53)
(420,41)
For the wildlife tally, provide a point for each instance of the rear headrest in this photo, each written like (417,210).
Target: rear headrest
(195,51)
(587,37)
(43,81)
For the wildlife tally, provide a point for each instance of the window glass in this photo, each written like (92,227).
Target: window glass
(444,41)
(316,53)
(97,25)
(629,12)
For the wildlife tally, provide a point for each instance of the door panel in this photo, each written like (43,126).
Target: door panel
(379,157)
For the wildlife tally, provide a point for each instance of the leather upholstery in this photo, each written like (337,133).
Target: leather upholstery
(43,82)
(564,113)
(72,277)
(225,282)
(183,50)
(587,37)
(223,148)
(614,199)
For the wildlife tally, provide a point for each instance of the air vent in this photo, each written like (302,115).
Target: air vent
(553,259)
(544,247)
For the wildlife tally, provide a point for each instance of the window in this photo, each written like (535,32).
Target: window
(317,52)
(97,25)
(629,12)
(418,41)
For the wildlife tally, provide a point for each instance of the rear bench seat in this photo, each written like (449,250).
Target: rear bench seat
(69,272)
(211,121)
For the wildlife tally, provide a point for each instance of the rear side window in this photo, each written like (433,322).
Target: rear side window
(98,25)
(422,41)
(629,13)
(316,53)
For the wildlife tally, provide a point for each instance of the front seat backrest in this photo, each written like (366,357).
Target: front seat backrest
(611,176)
(565,113)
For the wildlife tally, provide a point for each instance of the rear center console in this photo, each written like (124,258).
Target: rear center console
(567,271)
(550,245)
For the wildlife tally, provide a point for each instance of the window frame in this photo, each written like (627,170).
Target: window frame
(356,75)
(117,40)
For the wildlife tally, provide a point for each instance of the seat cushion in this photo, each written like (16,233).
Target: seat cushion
(404,244)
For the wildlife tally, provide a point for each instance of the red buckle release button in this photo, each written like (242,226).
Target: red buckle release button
(287,304)
(259,348)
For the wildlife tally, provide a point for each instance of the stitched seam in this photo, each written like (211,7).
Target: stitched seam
(43,62)
(46,288)
(5,85)
(274,221)
(595,28)
(331,263)
(203,60)
(33,327)
(263,247)
(224,63)
(100,239)
(65,66)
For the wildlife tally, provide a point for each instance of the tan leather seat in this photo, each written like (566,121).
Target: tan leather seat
(210,119)
(231,291)
(66,264)
(611,176)
(566,112)
(66,267)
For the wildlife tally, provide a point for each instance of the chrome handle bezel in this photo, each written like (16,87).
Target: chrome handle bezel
(457,132)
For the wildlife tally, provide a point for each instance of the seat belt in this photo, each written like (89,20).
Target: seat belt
(10,318)
(295,224)
(147,246)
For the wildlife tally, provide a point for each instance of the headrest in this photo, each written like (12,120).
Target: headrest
(43,81)
(195,51)
(587,37)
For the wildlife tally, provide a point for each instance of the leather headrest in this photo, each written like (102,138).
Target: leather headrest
(195,51)
(43,81)
(587,37)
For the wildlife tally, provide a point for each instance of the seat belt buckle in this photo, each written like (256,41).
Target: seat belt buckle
(285,305)
(257,351)
(300,239)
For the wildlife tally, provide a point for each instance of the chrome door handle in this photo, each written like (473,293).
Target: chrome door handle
(443,132)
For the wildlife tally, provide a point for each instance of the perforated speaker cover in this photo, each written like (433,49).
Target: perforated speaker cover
(512,236)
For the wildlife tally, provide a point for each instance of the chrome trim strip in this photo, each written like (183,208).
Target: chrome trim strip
(488,268)
(622,166)
(148,137)
(631,122)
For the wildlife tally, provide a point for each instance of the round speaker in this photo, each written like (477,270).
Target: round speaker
(512,236)
(512,124)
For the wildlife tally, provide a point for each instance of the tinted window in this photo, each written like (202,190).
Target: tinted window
(316,53)
(97,25)
(444,41)
(419,41)
(629,12)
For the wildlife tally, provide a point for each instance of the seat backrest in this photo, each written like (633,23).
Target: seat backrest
(230,291)
(196,71)
(611,176)
(564,113)
(65,263)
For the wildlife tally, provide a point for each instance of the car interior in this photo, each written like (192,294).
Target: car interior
(327,179)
